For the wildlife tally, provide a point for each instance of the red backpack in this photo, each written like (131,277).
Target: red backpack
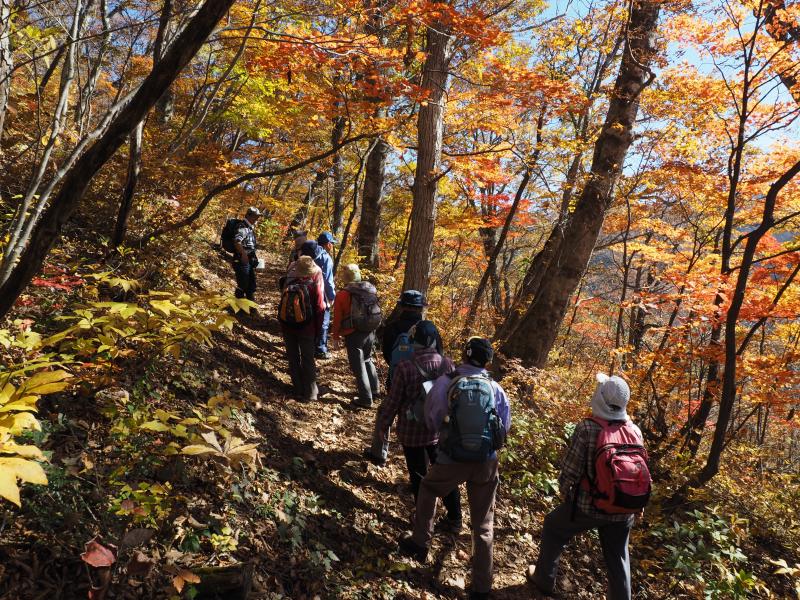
(622,482)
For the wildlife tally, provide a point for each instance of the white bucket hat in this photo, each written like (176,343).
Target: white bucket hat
(610,398)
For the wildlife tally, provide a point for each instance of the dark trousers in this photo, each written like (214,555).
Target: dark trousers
(418,461)
(560,528)
(245,280)
(359,353)
(302,367)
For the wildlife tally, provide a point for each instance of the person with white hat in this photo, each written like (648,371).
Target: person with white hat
(244,257)
(579,509)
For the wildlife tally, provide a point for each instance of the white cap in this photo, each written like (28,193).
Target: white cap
(610,398)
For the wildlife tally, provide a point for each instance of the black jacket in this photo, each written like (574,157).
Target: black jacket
(406,320)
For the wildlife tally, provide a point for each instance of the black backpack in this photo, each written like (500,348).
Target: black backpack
(229,233)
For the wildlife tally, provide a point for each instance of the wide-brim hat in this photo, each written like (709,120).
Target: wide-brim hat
(305,267)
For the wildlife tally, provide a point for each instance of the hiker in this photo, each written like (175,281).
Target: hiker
(583,506)
(300,238)
(470,434)
(406,401)
(318,250)
(356,316)
(245,260)
(300,312)
(395,345)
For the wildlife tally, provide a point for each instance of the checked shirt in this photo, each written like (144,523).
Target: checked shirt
(406,386)
(577,462)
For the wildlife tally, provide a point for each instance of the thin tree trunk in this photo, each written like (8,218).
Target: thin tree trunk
(134,168)
(536,333)
(337,216)
(27,212)
(430,124)
(728,396)
(369,223)
(6,60)
(48,230)
(135,141)
(353,211)
(491,267)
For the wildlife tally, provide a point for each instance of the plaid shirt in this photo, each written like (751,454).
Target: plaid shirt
(246,236)
(578,461)
(406,385)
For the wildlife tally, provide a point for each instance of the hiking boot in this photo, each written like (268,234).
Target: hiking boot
(375,460)
(410,548)
(359,404)
(448,525)
(538,591)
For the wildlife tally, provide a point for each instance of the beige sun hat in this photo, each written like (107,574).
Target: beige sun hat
(351,273)
(305,267)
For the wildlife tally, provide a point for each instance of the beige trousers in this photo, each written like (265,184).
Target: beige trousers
(482,480)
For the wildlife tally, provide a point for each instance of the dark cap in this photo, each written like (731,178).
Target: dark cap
(413,298)
(309,248)
(326,237)
(478,351)
(425,334)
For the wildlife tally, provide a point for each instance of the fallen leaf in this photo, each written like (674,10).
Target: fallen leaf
(183,577)
(97,555)
(139,565)
(136,537)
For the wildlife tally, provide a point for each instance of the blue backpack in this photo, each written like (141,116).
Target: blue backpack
(403,349)
(473,429)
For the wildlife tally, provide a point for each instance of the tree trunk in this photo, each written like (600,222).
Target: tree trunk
(430,123)
(134,168)
(135,140)
(728,395)
(492,266)
(6,60)
(535,335)
(48,230)
(337,216)
(369,225)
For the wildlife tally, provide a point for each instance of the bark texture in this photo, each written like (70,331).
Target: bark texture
(536,332)
(430,122)
(369,225)
(77,180)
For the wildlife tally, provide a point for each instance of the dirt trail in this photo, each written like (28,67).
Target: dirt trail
(326,438)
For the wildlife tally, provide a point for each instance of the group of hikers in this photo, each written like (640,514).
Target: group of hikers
(451,419)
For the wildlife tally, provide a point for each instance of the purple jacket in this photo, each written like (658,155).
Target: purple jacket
(437,405)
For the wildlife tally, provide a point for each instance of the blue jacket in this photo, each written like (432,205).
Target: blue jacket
(325,262)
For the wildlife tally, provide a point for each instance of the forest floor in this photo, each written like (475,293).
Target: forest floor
(316,520)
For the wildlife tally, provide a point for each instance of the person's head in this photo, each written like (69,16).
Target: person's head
(610,398)
(351,274)
(413,300)
(424,334)
(309,248)
(305,267)
(300,238)
(326,240)
(478,352)
(252,215)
